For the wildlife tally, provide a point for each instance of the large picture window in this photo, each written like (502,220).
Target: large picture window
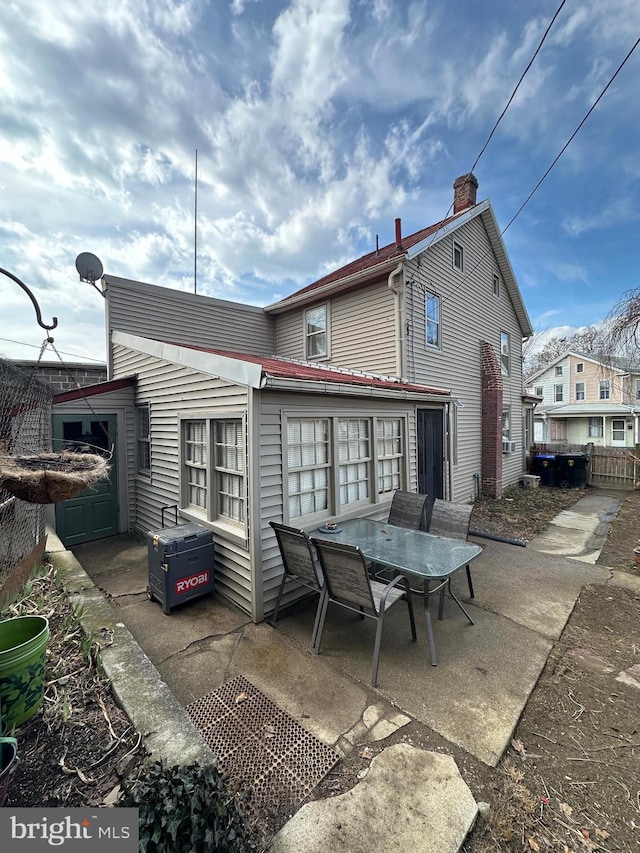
(214,469)
(337,462)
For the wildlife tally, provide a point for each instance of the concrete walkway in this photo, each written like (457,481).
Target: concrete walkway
(473,698)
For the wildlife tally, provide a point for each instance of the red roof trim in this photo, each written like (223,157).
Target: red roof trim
(372,259)
(279,368)
(93,390)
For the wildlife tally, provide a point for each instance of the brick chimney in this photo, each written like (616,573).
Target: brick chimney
(464,192)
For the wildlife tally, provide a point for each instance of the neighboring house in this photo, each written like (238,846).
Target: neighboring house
(400,370)
(587,399)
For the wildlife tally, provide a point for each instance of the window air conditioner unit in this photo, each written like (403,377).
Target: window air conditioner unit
(508,446)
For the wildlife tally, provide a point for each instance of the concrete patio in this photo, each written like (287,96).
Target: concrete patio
(473,698)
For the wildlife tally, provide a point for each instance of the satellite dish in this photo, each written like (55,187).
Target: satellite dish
(89,267)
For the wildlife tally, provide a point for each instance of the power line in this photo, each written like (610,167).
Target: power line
(34,346)
(507,105)
(553,163)
(513,94)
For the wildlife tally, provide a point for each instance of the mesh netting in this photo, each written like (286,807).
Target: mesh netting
(25,430)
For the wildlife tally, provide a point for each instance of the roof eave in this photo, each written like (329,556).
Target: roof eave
(336,286)
(278,383)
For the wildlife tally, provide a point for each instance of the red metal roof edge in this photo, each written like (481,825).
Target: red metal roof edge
(281,368)
(93,390)
(371,259)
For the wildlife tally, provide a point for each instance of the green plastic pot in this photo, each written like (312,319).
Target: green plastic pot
(8,757)
(23,646)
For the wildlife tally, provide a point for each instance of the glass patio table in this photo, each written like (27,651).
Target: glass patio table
(408,552)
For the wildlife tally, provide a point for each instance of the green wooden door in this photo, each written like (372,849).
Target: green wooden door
(93,514)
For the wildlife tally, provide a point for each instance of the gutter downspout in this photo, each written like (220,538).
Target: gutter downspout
(400,322)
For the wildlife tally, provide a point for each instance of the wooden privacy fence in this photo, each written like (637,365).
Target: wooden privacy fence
(609,467)
(615,468)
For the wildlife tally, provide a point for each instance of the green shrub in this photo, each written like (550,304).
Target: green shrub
(187,809)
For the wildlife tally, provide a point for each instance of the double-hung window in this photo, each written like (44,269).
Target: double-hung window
(539,391)
(214,470)
(505,353)
(143,440)
(339,463)
(580,367)
(559,370)
(195,458)
(558,393)
(637,389)
(496,284)
(308,455)
(389,438)
(604,389)
(315,324)
(579,390)
(432,305)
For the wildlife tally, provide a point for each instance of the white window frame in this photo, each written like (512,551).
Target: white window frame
(143,440)
(381,455)
(637,389)
(432,322)
(505,353)
(558,370)
(558,393)
(316,335)
(496,284)
(580,395)
(458,255)
(506,423)
(315,432)
(539,391)
(596,427)
(604,389)
(618,442)
(217,477)
(580,367)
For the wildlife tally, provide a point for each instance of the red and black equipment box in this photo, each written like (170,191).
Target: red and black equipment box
(181,564)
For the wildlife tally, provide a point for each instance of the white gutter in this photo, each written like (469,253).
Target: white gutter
(398,295)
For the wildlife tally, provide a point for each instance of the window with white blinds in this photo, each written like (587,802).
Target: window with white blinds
(195,463)
(230,469)
(308,456)
(390,454)
(338,462)
(214,469)
(354,459)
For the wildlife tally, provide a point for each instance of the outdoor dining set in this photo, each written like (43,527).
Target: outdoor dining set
(368,566)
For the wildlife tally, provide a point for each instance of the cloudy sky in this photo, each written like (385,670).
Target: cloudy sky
(316,123)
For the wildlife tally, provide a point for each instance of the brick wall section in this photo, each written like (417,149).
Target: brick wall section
(67,378)
(492,387)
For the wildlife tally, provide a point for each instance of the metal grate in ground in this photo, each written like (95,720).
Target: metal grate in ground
(263,750)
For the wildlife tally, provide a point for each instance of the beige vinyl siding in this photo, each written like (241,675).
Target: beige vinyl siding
(121,404)
(469,314)
(362,330)
(173,390)
(164,314)
(273,408)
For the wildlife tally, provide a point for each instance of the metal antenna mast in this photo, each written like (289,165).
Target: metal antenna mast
(195,230)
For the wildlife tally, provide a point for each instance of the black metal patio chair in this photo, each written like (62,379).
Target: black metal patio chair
(347,584)
(300,566)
